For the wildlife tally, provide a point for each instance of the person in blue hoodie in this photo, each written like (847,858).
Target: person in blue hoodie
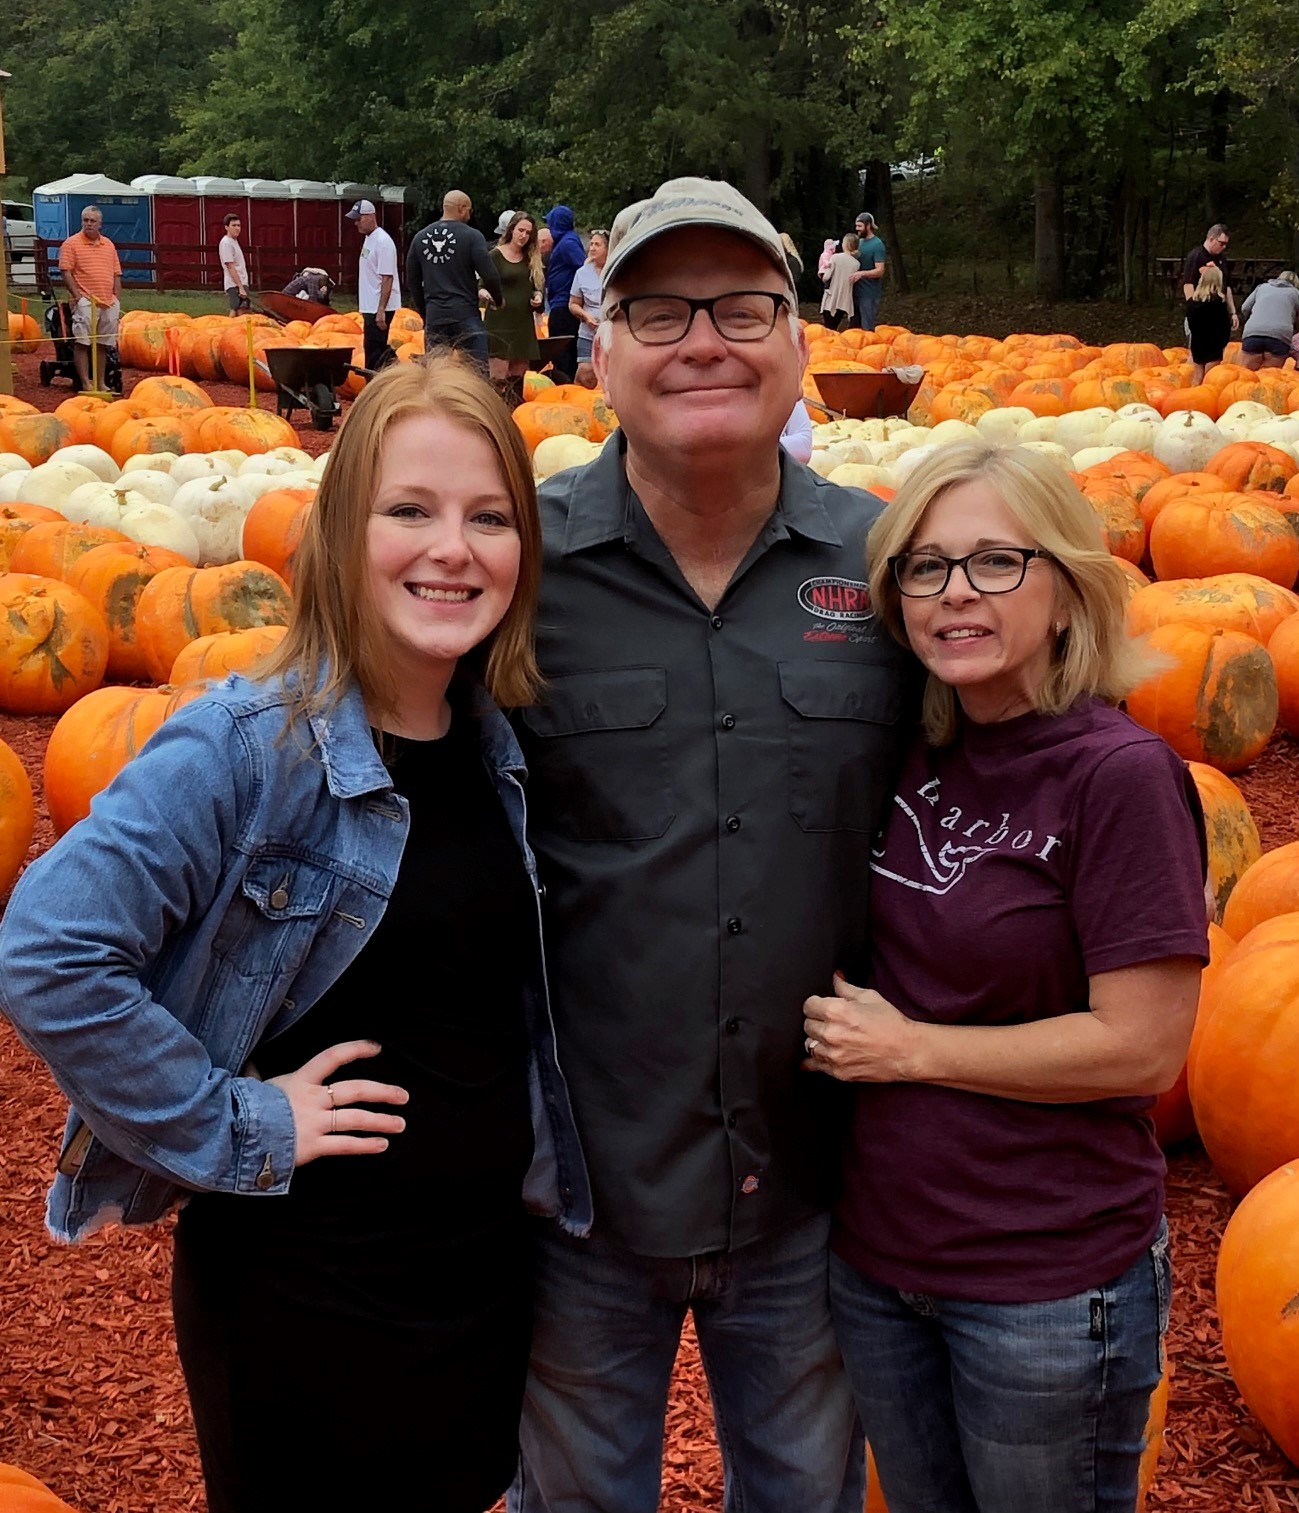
(566,257)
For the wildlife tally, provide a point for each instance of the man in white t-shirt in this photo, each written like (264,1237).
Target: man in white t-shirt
(378,291)
(234,269)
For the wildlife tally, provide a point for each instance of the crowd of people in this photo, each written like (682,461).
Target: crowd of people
(1271,310)
(692,890)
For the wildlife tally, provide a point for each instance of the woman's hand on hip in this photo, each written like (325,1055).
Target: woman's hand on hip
(325,1120)
(857,1036)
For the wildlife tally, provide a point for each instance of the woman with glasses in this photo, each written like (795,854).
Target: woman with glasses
(1000,1276)
(584,302)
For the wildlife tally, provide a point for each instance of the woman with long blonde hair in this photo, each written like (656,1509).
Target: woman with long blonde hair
(511,331)
(1208,319)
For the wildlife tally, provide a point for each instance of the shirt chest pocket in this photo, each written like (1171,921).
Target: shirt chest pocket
(841,720)
(274,918)
(599,761)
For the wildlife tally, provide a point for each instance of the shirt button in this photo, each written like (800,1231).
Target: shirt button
(716,622)
(728,722)
(732,1120)
(733,926)
(733,822)
(732,1026)
(749,1185)
(279,898)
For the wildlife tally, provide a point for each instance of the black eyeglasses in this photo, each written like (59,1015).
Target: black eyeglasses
(660,320)
(991,570)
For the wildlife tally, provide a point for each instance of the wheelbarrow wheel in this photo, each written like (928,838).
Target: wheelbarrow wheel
(47,373)
(324,406)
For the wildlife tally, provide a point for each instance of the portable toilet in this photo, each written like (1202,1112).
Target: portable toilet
(268,233)
(127,218)
(349,193)
(393,216)
(177,228)
(219,198)
(318,225)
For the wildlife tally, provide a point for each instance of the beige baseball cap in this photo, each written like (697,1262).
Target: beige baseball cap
(691,202)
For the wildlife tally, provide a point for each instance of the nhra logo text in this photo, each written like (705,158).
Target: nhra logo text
(836,599)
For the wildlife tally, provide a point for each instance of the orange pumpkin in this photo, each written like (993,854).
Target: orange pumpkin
(181,604)
(95,739)
(250,431)
(1257,1283)
(24,332)
(1138,470)
(35,437)
(166,395)
(79,414)
(1216,703)
(273,528)
(200,352)
(1232,835)
(154,433)
(537,419)
(233,352)
(50,548)
(1196,397)
(113,577)
(1044,396)
(1268,888)
(112,417)
(1283,648)
(1173,1115)
(1119,517)
(227,651)
(1223,533)
(21,1493)
(16,520)
(1174,487)
(17,816)
(1249,465)
(53,645)
(1222,601)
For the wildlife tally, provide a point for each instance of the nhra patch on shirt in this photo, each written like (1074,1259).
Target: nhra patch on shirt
(836,599)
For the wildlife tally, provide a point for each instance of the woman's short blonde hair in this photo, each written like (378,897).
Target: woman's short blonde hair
(1094,655)
(1289,276)
(1210,285)
(335,633)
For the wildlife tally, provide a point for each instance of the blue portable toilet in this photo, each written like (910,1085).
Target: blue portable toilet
(128,217)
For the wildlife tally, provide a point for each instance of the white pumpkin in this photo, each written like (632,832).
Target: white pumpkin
(1131,433)
(1277,431)
(101,503)
(1237,421)
(318,466)
(200,465)
(11,462)
(554,454)
(159,525)
(1001,426)
(10,483)
(1139,412)
(1090,456)
(952,430)
(1052,450)
(257,484)
(872,430)
(912,459)
(265,462)
(855,476)
(1080,429)
(295,455)
(822,463)
(156,486)
(153,462)
(94,458)
(1040,428)
(214,508)
(51,482)
(1186,440)
(858,452)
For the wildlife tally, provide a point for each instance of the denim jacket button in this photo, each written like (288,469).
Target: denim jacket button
(266,1177)
(279,898)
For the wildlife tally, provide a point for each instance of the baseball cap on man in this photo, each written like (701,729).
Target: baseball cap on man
(503,220)
(362,207)
(691,202)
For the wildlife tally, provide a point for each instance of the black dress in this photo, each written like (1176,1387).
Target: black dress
(362,1340)
(1209,322)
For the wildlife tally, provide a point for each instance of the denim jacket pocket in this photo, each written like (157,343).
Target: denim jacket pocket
(274,918)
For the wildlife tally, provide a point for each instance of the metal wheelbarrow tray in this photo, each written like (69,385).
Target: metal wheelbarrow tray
(287,307)
(865,396)
(307,378)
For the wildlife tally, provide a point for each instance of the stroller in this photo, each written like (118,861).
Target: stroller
(58,322)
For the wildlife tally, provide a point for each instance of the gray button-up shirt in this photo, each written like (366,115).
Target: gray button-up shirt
(703,789)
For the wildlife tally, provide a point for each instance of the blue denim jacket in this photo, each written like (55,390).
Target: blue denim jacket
(221,883)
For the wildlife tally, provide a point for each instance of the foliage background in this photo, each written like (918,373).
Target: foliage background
(1078,139)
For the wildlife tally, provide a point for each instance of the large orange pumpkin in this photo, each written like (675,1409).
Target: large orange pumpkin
(1119,518)
(21,1493)
(1222,601)
(1268,887)
(153,433)
(51,548)
(1257,1289)
(273,528)
(53,645)
(1283,648)
(1246,465)
(95,739)
(17,816)
(35,437)
(181,604)
(539,418)
(1216,703)
(1224,533)
(24,332)
(1234,844)
(79,414)
(166,395)
(227,651)
(1173,1115)
(1138,470)
(113,577)
(251,431)
(1174,487)
(16,520)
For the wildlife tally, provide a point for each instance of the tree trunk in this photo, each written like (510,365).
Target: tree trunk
(1048,233)
(880,188)
(1215,153)
(756,182)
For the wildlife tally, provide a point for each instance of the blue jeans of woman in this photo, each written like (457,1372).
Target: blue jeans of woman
(1006,1407)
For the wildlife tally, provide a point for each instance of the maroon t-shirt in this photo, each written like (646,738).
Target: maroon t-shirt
(1011,867)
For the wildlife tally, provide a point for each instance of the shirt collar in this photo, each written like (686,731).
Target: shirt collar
(600,499)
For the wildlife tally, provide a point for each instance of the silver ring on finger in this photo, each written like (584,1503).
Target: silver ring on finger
(333,1121)
(810,1045)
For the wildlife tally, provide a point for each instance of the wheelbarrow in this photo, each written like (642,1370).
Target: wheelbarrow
(308,378)
(287,307)
(863,396)
(551,347)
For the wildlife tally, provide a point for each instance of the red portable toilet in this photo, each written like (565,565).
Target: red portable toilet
(348,194)
(219,198)
(392,214)
(320,232)
(177,229)
(268,238)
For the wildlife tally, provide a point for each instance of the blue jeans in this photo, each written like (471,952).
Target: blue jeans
(1006,1407)
(866,302)
(606,1333)
(470,335)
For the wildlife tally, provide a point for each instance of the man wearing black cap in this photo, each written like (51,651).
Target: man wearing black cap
(378,292)
(709,758)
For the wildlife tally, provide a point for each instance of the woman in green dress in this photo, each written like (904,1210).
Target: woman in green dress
(511,333)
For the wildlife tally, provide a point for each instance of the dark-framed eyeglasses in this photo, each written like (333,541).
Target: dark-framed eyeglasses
(661,320)
(990,570)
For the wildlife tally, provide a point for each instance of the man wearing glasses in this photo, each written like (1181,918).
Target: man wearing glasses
(716,740)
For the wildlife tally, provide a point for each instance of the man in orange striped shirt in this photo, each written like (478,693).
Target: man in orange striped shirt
(91,270)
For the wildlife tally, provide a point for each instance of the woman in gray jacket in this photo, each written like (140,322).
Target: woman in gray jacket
(1271,318)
